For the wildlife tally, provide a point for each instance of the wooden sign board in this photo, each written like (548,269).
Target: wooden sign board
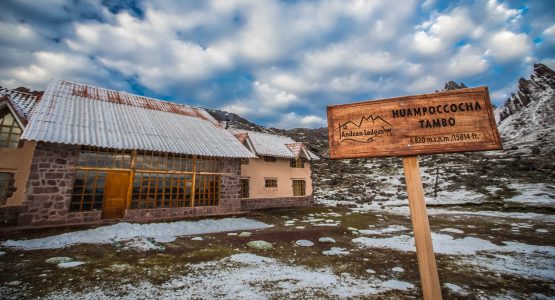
(452,121)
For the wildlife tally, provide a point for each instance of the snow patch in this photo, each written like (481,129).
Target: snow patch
(452,230)
(248,276)
(70,264)
(336,251)
(304,243)
(326,240)
(160,232)
(390,229)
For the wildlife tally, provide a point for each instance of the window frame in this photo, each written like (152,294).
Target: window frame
(299,187)
(10,142)
(245,188)
(270,182)
(297,163)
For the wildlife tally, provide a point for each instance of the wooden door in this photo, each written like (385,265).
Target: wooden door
(115,195)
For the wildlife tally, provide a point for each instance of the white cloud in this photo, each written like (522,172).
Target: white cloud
(265,60)
(549,34)
(426,84)
(452,26)
(19,35)
(506,45)
(500,11)
(49,65)
(427,44)
(467,62)
(350,56)
(241,108)
(292,120)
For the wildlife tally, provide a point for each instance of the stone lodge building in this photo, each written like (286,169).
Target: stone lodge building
(95,155)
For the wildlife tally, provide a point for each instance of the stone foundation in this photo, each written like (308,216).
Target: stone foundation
(9,215)
(269,203)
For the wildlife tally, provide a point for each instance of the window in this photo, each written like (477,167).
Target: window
(270,182)
(269,159)
(299,188)
(160,180)
(9,129)
(154,190)
(88,190)
(104,158)
(244,161)
(207,190)
(6,187)
(297,163)
(245,186)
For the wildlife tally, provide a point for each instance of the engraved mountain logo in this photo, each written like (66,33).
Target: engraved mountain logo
(366,130)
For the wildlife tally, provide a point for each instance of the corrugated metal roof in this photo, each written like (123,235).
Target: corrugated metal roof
(266,144)
(68,115)
(22,102)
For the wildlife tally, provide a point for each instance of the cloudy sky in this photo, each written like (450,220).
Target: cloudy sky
(277,63)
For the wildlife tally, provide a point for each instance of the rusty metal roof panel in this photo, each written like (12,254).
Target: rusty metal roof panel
(266,144)
(22,102)
(132,122)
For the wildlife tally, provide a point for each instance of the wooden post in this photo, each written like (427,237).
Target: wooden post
(421,228)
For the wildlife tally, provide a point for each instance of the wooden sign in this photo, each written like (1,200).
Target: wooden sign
(453,121)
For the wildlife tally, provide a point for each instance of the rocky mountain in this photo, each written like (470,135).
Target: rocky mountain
(527,118)
(539,88)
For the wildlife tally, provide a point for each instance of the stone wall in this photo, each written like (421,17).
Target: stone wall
(9,215)
(269,203)
(49,185)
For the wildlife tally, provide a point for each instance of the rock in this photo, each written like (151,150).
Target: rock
(542,231)
(299,227)
(2,253)
(398,270)
(304,243)
(262,245)
(352,229)
(326,240)
(370,271)
(58,260)
(232,233)
(197,238)
(14,283)
(245,234)
(119,267)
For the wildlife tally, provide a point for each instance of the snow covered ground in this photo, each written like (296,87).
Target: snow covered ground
(316,253)
(249,276)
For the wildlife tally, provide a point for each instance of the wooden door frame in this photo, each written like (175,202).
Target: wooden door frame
(124,205)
